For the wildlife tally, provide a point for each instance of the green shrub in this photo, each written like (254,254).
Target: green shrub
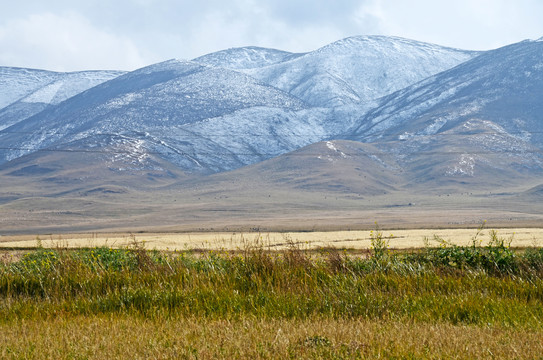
(496,257)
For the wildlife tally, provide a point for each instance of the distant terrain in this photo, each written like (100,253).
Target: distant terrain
(368,128)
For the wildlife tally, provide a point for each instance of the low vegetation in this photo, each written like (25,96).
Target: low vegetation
(457,301)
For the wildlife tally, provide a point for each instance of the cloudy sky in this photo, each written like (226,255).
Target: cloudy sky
(69,35)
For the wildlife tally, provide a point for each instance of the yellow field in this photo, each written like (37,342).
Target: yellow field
(401,239)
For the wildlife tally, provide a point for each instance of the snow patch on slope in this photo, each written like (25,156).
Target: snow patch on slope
(68,85)
(18,83)
(129,154)
(44,95)
(335,155)
(464,167)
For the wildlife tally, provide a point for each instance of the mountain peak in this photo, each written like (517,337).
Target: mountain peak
(386,43)
(370,38)
(243,58)
(172,63)
(175,65)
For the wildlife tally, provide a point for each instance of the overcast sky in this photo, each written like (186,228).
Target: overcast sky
(68,35)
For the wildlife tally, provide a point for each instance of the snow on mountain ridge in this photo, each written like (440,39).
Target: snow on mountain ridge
(248,57)
(487,80)
(179,66)
(478,122)
(380,41)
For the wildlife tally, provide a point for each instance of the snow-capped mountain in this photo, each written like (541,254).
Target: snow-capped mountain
(207,116)
(201,118)
(238,107)
(210,118)
(365,120)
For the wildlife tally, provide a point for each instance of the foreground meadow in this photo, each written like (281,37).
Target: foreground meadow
(446,302)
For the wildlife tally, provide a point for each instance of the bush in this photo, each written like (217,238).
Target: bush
(496,257)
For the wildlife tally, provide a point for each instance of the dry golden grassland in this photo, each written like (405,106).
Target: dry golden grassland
(401,239)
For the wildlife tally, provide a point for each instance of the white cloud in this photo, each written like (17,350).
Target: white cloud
(125,34)
(64,42)
(468,24)
(254,26)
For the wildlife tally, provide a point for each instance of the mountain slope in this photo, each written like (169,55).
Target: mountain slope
(54,89)
(480,121)
(338,167)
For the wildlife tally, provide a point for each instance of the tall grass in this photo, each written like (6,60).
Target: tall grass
(476,284)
